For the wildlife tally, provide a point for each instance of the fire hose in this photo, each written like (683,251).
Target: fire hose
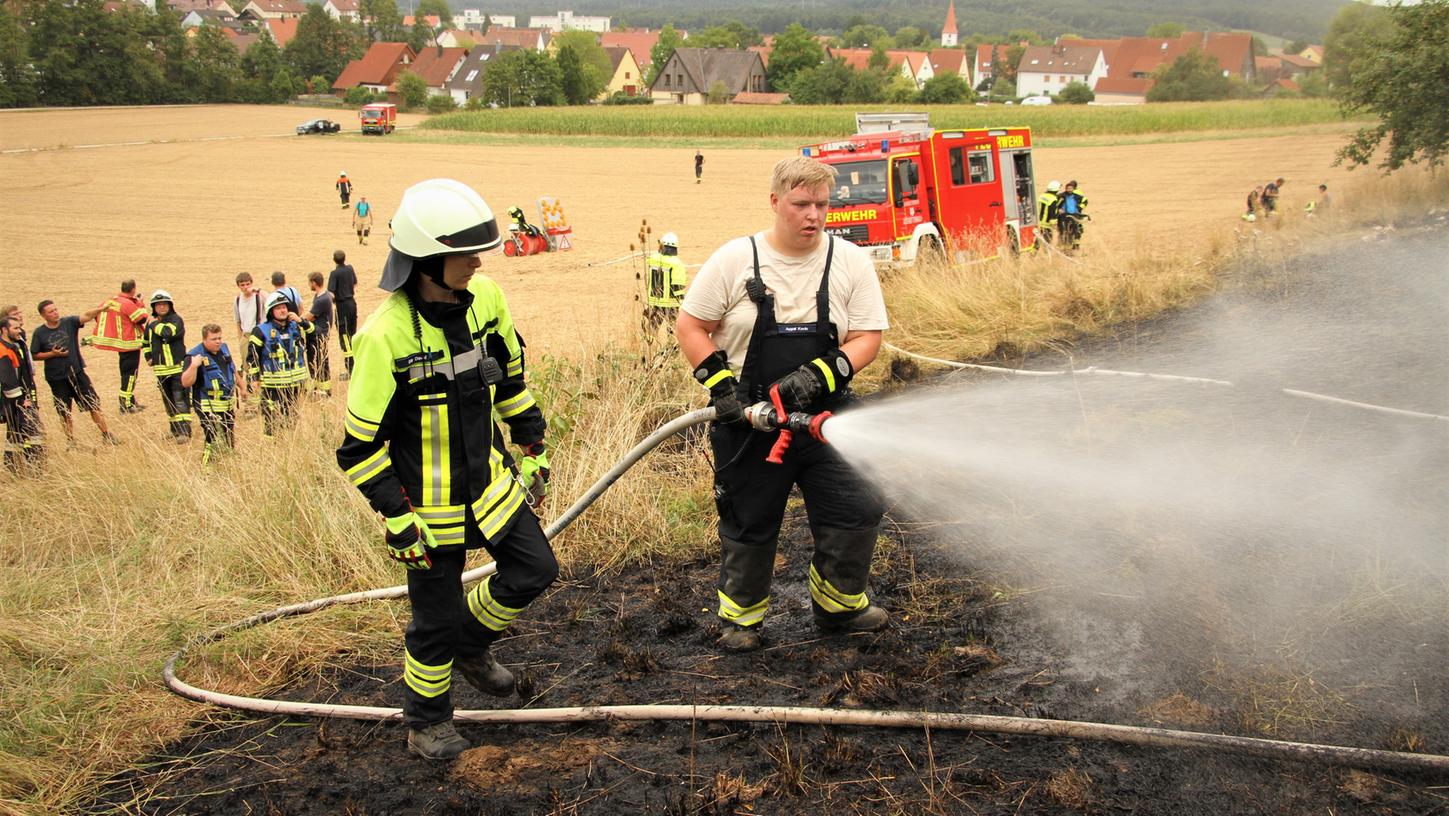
(766,416)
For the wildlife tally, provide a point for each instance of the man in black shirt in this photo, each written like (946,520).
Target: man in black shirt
(319,364)
(342,285)
(58,344)
(17,384)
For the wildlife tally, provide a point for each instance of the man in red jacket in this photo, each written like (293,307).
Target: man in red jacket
(119,327)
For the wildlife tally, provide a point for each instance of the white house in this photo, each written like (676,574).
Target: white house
(343,9)
(1047,69)
(474,18)
(567,21)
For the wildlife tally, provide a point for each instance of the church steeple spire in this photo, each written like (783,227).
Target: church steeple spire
(948,31)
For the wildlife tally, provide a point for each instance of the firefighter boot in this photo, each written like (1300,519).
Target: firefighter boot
(436,741)
(485,674)
(740,638)
(745,571)
(838,575)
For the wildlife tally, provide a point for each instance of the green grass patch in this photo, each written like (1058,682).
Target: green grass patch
(809,122)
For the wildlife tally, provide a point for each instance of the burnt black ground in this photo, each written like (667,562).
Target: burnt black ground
(645,635)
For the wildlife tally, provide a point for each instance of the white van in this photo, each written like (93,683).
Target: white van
(1037,100)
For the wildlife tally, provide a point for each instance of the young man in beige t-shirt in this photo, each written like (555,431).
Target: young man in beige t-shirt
(791,307)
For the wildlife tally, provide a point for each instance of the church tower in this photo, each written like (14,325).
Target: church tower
(948,31)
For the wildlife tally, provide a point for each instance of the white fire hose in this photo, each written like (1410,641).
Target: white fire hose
(948,721)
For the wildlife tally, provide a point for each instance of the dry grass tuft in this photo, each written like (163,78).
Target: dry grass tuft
(1070,788)
(1178,710)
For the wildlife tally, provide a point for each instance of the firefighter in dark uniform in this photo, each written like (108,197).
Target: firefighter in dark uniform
(17,397)
(210,374)
(166,353)
(277,358)
(1046,211)
(434,363)
(342,283)
(794,308)
(666,284)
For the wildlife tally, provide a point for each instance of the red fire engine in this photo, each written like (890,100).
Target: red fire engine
(904,190)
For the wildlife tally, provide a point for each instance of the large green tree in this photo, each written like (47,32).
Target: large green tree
(1193,77)
(18,84)
(413,90)
(1403,78)
(669,40)
(944,89)
(383,22)
(436,8)
(824,84)
(322,45)
(216,64)
(865,35)
(795,50)
(595,69)
(731,35)
(522,79)
(1353,34)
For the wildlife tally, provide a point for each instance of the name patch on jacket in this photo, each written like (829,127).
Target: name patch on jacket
(795,328)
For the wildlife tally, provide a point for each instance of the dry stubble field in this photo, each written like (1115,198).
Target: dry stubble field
(217,190)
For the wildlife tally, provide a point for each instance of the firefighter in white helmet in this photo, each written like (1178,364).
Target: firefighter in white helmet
(277,358)
(165,350)
(1046,211)
(666,284)
(432,366)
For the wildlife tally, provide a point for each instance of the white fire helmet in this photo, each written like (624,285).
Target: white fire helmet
(161,296)
(275,299)
(1053,186)
(670,240)
(437,217)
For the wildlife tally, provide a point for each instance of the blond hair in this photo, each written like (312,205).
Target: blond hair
(799,171)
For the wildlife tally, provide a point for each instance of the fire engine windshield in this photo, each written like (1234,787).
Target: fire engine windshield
(861,182)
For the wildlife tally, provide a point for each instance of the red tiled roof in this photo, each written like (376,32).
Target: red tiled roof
(525,37)
(1124,85)
(432,20)
(859,58)
(240,40)
(283,30)
(639,42)
(346,5)
(281,6)
(379,66)
(947,60)
(983,57)
(1287,85)
(436,64)
(764,52)
(1299,62)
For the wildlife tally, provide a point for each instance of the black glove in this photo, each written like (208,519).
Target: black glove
(713,372)
(826,375)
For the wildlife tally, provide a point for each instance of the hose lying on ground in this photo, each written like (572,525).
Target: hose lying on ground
(1102,732)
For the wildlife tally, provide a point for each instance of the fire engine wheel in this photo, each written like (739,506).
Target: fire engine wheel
(929,252)
(1013,243)
(510,248)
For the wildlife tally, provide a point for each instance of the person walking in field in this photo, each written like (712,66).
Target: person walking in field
(166,352)
(342,284)
(57,342)
(434,364)
(210,377)
(319,364)
(120,328)
(698,167)
(23,440)
(1255,200)
(362,220)
(793,312)
(277,358)
(344,189)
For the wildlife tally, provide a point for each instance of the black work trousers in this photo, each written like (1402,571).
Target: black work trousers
(319,362)
(130,362)
(346,328)
(750,494)
(220,432)
(445,626)
(277,407)
(177,402)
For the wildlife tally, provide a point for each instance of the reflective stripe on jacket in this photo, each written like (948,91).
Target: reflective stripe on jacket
(166,344)
(666,280)
(419,430)
(121,327)
(277,355)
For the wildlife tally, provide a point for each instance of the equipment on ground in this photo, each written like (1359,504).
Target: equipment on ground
(379,118)
(904,190)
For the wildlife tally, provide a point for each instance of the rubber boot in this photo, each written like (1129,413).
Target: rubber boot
(740,638)
(838,576)
(436,741)
(485,674)
(744,592)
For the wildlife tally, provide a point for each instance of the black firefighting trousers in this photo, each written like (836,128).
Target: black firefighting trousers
(750,494)
(177,402)
(449,624)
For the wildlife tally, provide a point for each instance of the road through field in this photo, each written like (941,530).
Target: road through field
(188,214)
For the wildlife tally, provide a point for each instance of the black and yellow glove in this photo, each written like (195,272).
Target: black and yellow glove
(713,372)
(533,472)
(824,376)
(408,541)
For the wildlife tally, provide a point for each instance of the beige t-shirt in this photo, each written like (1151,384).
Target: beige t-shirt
(718,291)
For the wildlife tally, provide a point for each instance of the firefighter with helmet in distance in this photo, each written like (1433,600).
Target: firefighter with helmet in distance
(277,358)
(166,352)
(666,284)
(1046,211)
(790,311)
(432,366)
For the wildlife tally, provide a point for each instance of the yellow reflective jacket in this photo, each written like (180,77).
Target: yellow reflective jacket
(419,432)
(666,280)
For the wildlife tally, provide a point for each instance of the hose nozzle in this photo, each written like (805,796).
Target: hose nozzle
(771,416)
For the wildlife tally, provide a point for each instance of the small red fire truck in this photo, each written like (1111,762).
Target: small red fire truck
(904,190)
(379,118)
